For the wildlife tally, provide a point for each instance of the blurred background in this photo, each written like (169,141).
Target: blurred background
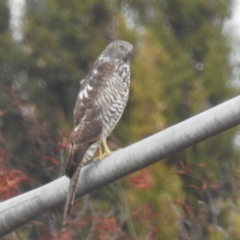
(184,62)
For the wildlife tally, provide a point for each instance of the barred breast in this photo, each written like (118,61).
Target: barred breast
(114,98)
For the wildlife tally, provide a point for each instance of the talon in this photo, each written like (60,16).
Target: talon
(106,152)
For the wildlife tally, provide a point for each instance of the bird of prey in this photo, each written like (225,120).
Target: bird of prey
(100,104)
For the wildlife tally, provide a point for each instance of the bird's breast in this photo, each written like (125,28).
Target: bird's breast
(113,100)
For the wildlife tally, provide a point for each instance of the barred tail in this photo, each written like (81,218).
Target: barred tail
(80,155)
(71,193)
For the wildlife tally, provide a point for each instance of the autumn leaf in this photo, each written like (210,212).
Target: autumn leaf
(142,180)
(10,180)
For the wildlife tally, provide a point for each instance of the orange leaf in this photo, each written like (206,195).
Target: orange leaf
(142,180)
(9,182)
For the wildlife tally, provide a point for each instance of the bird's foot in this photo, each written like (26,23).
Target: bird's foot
(106,153)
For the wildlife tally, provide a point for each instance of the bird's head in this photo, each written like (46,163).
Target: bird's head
(119,50)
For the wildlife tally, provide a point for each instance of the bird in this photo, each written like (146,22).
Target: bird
(100,104)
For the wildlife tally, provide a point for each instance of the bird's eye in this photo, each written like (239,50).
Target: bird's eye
(120,47)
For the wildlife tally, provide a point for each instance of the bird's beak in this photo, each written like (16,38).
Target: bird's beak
(130,52)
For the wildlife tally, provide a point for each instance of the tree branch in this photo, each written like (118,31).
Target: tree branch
(21,209)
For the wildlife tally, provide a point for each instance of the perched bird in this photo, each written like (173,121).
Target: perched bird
(100,104)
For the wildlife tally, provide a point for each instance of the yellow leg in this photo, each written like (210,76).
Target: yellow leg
(106,151)
(99,149)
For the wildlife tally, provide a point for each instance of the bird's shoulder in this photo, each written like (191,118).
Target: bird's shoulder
(100,71)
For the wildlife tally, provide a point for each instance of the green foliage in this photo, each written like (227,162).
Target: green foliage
(62,47)
(155,200)
(179,69)
(4,17)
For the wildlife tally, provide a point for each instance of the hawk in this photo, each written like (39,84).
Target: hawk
(100,104)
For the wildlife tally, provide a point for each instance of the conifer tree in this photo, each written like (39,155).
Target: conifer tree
(179,69)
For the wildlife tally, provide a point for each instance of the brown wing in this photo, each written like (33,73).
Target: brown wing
(88,133)
(87,129)
(87,124)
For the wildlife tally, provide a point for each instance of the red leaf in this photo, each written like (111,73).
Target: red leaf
(141,180)
(9,182)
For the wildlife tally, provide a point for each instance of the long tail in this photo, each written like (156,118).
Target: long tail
(71,193)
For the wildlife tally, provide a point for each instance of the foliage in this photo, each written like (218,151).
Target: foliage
(179,69)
